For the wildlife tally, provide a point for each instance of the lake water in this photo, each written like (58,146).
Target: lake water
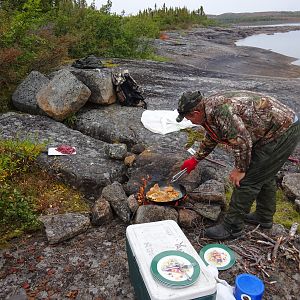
(274,25)
(286,43)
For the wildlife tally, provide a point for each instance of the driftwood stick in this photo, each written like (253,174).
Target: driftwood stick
(291,235)
(296,250)
(298,256)
(293,230)
(275,250)
(251,250)
(245,266)
(266,237)
(265,272)
(263,277)
(254,230)
(242,253)
(264,243)
(269,256)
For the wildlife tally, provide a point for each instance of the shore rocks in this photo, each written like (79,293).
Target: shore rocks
(152,213)
(64,95)
(211,191)
(291,186)
(117,198)
(101,212)
(116,151)
(211,212)
(24,97)
(100,84)
(187,218)
(64,92)
(65,226)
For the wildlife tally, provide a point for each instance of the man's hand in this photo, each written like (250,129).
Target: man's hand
(190,164)
(236,176)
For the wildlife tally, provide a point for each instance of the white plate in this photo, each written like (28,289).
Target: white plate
(52,151)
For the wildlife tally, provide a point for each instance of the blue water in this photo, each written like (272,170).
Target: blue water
(286,43)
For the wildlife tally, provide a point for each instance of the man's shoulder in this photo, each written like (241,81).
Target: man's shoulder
(236,94)
(240,98)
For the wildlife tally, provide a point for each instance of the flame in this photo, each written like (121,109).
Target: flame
(141,193)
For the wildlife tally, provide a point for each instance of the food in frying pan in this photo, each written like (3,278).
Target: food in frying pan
(164,194)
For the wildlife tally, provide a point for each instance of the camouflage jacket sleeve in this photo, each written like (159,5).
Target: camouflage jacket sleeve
(207,145)
(231,128)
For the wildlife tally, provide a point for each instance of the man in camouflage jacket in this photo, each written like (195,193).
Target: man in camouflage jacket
(262,132)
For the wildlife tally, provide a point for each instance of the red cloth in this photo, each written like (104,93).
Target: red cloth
(190,164)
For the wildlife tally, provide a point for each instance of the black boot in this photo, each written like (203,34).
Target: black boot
(253,218)
(219,232)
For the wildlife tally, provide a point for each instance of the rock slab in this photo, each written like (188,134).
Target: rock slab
(89,170)
(64,226)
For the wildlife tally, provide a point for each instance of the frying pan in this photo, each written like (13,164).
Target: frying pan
(177,187)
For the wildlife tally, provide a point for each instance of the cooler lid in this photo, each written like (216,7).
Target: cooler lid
(149,239)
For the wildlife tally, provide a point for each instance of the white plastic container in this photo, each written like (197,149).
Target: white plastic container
(144,242)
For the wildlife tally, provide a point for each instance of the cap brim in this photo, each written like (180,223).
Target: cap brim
(179,118)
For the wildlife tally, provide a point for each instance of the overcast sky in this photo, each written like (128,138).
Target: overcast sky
(210,6)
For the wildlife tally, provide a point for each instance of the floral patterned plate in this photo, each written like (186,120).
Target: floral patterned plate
(218,255)
(175,269)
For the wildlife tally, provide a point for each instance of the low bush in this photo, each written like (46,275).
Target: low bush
(17,212)
(17,156)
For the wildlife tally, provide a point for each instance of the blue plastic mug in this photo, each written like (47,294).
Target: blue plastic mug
(248,287)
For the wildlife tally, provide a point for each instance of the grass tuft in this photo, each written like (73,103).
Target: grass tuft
(286,213)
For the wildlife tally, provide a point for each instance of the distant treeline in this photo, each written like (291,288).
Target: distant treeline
(172,18)
(259,17)
(42,34)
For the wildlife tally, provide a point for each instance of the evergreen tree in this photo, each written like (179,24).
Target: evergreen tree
(106,8)
(201,11)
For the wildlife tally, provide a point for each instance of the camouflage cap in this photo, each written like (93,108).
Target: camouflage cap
(187,102)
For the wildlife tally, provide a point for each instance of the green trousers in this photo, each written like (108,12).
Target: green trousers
(259,182)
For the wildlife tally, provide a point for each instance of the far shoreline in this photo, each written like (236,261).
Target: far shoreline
(214,49)
(284,43)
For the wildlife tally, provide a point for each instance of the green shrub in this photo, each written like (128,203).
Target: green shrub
(17,156)
(16,210)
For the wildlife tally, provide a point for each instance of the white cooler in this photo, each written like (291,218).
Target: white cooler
(143,243)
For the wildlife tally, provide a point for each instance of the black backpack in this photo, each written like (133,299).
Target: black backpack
(127,90)
(89,62)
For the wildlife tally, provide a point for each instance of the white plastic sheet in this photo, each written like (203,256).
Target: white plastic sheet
(164,121)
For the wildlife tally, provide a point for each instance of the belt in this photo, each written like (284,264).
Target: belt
(295,119)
